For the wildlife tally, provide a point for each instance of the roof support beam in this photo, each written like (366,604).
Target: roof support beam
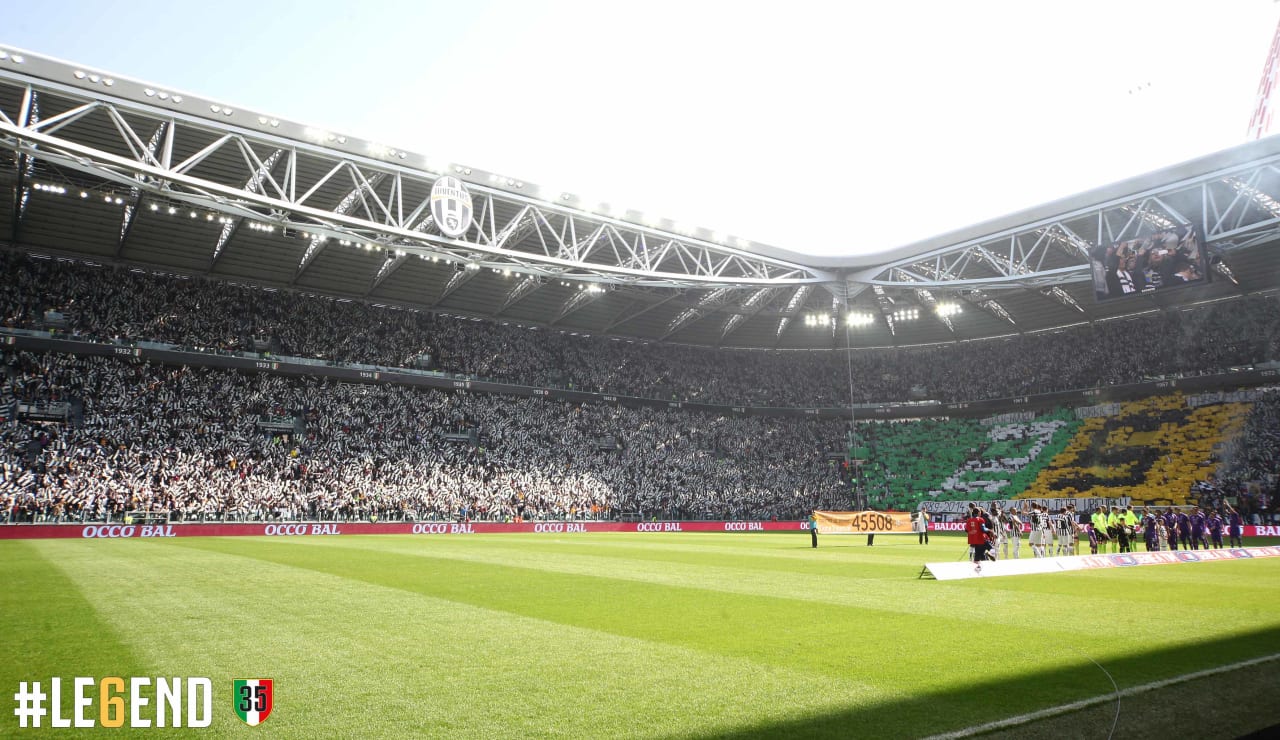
(135,193)
(629,315)
(466,272)
(577,301)
(231,226)
(316,244)
(24,163)
(393,260)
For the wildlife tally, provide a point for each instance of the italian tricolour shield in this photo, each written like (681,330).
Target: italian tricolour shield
(252,697)
(451,206)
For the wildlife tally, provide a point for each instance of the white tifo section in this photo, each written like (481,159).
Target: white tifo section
(1041,432)
(960,570)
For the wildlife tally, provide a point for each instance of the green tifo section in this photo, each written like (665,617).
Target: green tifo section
(905,463)
(623,635)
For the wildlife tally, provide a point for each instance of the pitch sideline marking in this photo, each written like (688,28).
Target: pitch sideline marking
(1094,701)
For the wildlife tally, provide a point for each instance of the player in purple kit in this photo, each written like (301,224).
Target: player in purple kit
(1235,526)
(1171,528)
(1184,530)
(1149,530)
(1197,530)
(1215,524)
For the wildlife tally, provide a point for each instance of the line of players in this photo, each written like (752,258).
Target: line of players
(1112,528)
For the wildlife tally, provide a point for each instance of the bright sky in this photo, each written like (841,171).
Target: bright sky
(833,128)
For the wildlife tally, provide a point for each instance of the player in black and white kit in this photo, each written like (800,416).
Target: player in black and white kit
(1013,532)
(1066,528)
(1039,531)
(997,530)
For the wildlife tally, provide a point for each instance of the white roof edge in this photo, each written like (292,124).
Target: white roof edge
(1242,154)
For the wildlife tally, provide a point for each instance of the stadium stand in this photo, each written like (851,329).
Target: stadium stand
(125,304)
(1251,463)
(93,437)
(202,443)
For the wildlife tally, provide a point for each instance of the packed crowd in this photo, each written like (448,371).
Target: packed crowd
(1250,470)
(116,303)
(186,441)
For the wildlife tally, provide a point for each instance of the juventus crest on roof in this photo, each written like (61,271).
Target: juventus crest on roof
(451,206)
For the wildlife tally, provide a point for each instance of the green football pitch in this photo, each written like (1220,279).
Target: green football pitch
(646,635)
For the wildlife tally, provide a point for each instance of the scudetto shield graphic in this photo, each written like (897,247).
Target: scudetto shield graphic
(252,699)
(451,206)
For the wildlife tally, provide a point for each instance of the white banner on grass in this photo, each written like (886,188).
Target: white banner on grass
(964,569)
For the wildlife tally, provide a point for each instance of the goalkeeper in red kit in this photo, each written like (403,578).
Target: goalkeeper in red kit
(979,536)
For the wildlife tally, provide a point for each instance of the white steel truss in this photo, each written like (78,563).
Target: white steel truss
(1236,207)
(241,173)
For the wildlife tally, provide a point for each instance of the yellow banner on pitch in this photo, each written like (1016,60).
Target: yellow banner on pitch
(863,522)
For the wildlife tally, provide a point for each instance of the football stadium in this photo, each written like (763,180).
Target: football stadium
(310,435)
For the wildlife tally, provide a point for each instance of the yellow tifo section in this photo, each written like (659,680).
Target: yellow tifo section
(1154,450)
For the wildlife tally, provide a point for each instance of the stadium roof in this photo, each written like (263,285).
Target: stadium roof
(109,169)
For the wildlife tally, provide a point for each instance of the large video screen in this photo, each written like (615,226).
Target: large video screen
(1166,259)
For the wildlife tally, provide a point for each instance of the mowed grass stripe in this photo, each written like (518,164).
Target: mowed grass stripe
(52,630)
(1206,591)
(352,658)
(776,551)
(1034,669)
(900,653)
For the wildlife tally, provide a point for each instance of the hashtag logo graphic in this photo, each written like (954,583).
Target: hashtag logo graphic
(30,704)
